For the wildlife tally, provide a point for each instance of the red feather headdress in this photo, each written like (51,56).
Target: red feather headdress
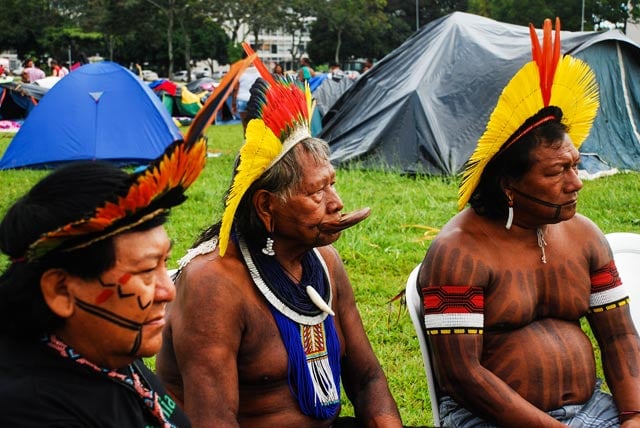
(152,191)
(280,112)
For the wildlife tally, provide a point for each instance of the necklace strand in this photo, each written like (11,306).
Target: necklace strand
(541,243)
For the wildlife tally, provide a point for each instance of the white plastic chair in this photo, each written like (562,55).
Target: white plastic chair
(626,253)
(414,305)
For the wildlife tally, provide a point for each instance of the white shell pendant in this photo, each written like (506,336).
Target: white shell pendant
(319,301)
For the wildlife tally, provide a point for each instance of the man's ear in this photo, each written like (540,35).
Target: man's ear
(505,183)
(56,293)
(262,201)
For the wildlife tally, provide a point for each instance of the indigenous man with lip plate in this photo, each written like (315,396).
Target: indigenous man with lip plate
(265,326)
(508,279)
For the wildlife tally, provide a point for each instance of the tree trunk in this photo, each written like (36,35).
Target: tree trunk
(338,45)
(170,19)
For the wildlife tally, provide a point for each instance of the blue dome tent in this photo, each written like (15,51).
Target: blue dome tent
(98,111)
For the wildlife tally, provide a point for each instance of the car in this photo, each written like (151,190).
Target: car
(149,75)
(204,72)
(181,76)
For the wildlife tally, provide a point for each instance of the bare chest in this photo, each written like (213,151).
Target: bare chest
(263,357)
(529,291)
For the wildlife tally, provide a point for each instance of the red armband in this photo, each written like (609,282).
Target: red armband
(607,291)
(453,309)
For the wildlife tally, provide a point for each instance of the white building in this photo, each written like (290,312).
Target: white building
(277,46)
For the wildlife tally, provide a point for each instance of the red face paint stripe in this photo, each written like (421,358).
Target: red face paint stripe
(103,297)
(124,278)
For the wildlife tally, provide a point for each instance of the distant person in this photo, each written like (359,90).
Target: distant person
(335,71)
(305,72)
(58,70)
(240,96)
(33,73)
(278,70)
(368,63)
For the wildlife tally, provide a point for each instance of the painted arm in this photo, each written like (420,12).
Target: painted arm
(457,357)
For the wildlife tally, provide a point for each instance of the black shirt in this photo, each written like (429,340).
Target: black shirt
(40,388)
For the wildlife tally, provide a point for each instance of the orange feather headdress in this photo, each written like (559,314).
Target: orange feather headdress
(548,80)
(281,111)
(152,191)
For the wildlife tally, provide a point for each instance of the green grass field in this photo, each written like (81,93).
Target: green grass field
(378,253)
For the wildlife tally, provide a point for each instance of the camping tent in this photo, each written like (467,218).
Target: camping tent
(423,107)
(99,111)
(18,99)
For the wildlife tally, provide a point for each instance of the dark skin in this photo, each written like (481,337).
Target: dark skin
(533,355)
(223,356)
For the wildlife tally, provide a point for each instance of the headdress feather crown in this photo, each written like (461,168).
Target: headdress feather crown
(548,80)
(152,191)
(280,117)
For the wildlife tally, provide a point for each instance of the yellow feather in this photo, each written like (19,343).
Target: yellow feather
(519,100)
(261,147)
(574,90)
(310,101)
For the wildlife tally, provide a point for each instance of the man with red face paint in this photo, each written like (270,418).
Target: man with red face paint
(84,296)
(265,325)
(507,281)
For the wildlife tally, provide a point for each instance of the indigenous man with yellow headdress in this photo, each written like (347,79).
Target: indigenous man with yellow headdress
(265,327)
(506,281)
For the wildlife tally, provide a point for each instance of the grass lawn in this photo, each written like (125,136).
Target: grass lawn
(379,253)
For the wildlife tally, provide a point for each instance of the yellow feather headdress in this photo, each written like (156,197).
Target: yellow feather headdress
(281,112)
(152,191)
(548,80)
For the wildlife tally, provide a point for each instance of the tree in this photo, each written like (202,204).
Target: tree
(172,9)
(297,20)
(349,19)
(599,14)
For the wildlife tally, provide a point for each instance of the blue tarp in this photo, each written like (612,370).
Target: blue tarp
(98,111)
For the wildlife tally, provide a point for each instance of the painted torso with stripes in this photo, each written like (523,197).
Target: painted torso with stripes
(519,315)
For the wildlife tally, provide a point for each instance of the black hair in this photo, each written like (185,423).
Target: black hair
(69,193)
(488,199)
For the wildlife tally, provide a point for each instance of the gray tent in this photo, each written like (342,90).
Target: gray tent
(423,107)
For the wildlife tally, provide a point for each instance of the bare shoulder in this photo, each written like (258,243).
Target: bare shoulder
(461,253)
(210,280)
(331,256)
(582,233)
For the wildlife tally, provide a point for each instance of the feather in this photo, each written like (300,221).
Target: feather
(216,100)
(261,147)
(154,190)
(279,111)
(264,72)
(568,83)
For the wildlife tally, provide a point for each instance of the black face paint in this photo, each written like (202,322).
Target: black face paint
(558,207)
(115,319)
